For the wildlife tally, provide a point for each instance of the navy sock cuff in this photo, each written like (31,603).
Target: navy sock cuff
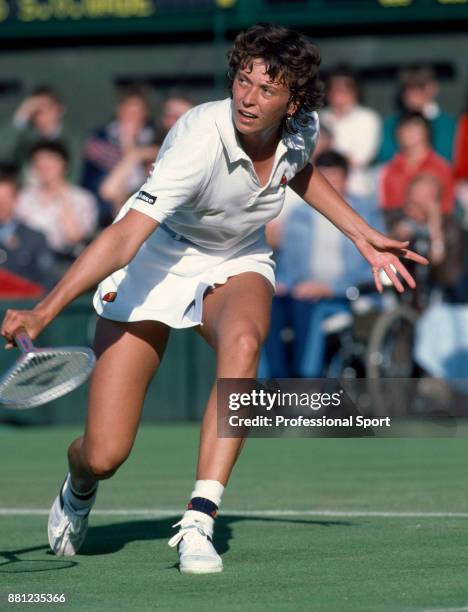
(83,496)
(201,504)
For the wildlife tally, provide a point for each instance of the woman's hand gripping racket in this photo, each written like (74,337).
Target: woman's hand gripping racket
(43,374)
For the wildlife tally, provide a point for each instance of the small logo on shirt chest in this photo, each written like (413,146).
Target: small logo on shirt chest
(283,181)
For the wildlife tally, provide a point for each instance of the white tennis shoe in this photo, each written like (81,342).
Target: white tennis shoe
(67,528)
(197,554)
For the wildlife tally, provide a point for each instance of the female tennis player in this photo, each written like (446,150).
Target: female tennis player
(188,250)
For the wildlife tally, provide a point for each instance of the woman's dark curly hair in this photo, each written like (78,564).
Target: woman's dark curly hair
(290,57)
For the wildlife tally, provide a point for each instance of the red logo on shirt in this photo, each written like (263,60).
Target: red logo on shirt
(284,181)
(110,297)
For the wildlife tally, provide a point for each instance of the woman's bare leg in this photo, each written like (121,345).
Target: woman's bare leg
(128,354)
(236,318)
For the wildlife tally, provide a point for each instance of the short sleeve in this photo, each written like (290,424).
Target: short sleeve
(179,173)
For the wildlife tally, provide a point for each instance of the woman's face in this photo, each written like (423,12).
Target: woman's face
(258,103)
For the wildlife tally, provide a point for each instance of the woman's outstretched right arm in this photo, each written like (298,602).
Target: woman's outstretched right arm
(114,248)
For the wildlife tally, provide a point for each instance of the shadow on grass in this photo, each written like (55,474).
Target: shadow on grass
(13,562)
(107,539)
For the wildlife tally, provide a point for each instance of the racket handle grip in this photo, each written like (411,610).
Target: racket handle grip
(23,341)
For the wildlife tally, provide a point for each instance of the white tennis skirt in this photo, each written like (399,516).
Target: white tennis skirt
(167,279)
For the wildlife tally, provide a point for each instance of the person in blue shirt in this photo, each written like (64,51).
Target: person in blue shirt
(316,265)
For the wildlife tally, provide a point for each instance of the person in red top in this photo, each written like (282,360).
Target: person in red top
(461,149)
(415,157)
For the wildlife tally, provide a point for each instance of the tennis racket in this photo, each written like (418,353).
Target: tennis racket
(41,375)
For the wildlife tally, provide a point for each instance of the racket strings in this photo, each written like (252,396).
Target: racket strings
(43,376)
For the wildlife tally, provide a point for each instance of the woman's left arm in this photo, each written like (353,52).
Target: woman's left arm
(380,251)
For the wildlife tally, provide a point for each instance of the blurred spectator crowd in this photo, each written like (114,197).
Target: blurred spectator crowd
(406,174)
(58,189)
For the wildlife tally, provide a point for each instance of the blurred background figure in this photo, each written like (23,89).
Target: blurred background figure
(39,118)
(436,235)
(131,133)
(174,106)
(23,251)
(118,185)
(355,129)
(415,157)
(316,265)
(65,213)
(324,142)
(460,164)
(418,92)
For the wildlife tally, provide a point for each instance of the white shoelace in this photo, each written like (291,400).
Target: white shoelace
(191,530)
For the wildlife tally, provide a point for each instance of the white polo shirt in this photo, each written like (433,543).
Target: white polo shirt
(204,186)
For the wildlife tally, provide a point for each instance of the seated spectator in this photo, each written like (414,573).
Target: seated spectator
(173,107)
(324,142)
(461,149)
(39,118)
(65,213)
(438,236)
(131,129)
(355,129)
(114,188)
(316,265)
(24,254)
(418,93)
(415,157)
(461,171)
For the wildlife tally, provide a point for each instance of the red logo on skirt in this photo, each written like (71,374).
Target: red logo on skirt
(110,297)
(284,181)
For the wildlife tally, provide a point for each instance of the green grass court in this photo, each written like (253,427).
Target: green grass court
(306,524)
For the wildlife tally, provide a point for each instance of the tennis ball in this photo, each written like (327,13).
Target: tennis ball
(384,278)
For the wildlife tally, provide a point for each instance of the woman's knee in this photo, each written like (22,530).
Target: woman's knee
(102,463)
(242,346)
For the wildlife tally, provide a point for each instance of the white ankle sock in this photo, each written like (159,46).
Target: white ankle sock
(76,500)
(209,489)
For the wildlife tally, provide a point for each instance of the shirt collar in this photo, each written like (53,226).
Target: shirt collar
(228,135)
